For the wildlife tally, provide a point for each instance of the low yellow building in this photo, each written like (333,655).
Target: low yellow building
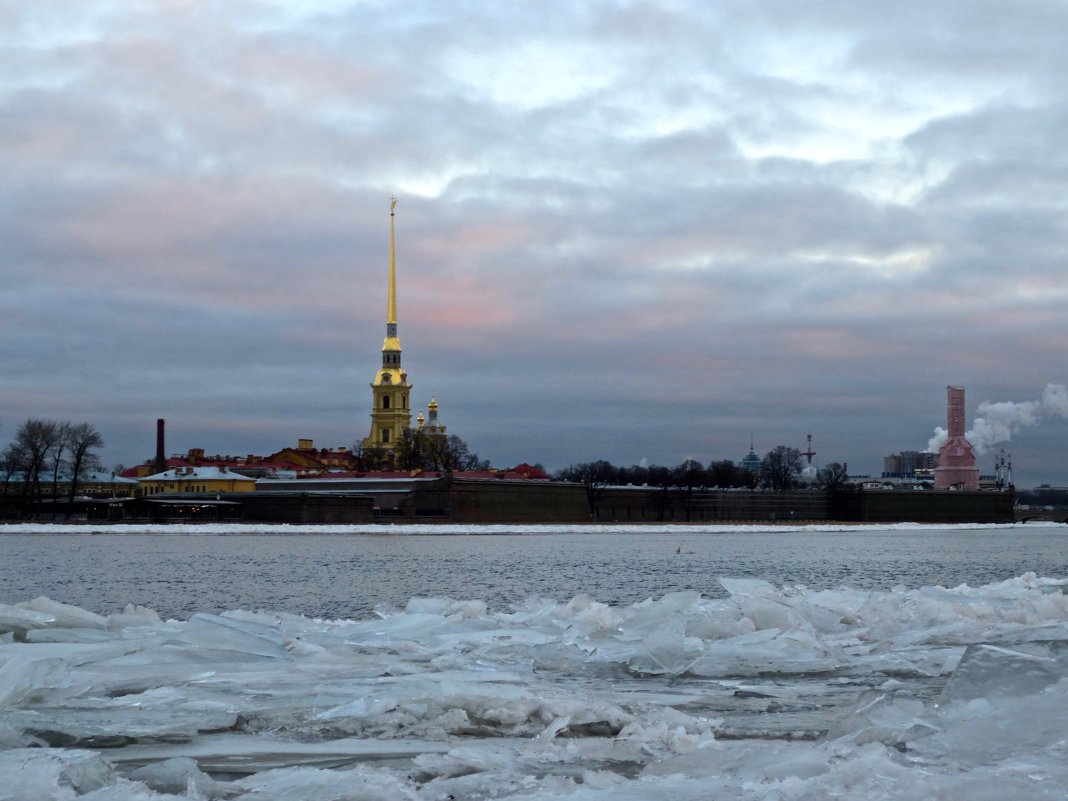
(196,481)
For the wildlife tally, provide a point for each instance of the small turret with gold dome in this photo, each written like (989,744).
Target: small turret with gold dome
(434,427)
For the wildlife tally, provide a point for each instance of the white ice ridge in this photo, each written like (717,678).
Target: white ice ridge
(769,693)
(460,529)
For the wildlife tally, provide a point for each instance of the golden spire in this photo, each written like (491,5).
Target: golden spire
(392,264)
(391,345)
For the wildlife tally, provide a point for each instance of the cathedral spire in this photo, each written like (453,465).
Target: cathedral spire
(391,345)
(390,412)
(392,312)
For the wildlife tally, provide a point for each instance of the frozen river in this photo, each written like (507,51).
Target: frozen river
(533,663)
(336,574)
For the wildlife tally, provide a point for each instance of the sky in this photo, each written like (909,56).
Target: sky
(635,231)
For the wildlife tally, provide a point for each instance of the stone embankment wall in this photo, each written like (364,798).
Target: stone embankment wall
(657,505)
(307,508)
(489,501)
(503,501)
(474,501)
(928,506)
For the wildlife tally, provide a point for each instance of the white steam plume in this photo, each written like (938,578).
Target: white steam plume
(998,422)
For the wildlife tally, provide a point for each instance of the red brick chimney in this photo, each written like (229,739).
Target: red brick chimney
(160,463)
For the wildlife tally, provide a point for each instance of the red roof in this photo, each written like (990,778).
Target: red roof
(530,471)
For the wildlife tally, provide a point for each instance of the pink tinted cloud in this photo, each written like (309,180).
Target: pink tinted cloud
(309,73)
(836,344)
(463,304)
(467,279)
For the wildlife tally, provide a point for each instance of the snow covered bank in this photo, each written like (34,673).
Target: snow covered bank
(178,529)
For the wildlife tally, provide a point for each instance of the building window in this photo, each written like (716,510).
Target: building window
(385,401)
(385,435)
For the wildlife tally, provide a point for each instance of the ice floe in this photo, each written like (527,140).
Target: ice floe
(767,693)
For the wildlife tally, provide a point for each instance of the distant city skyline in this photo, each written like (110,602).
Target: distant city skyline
(626,231)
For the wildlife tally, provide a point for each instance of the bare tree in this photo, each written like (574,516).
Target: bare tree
(689,476)
(781,468)
(82,440)
(596,476)
(664,480)
(12,464)
(34,443)
(368,459)
(410,447)
(833,477)
(57,461)
(416,449)
(461,457)
(722,473)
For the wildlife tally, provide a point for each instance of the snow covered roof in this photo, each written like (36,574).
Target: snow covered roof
(198,473)
(100,477)
(91,477)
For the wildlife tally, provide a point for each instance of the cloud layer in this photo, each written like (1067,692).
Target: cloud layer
(626,230)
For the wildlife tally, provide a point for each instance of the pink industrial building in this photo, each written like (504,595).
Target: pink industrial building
(956,458)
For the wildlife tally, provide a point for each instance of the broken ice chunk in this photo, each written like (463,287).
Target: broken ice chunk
(66,615)
(180,775)
(993,670)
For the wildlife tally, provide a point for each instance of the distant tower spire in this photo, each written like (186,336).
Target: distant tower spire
(390,411)
(751,461)
(392,311)
(809,453)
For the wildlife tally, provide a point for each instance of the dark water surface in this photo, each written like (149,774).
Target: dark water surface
(342,575)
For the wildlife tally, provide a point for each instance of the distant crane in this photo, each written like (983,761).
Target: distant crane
(1003,469)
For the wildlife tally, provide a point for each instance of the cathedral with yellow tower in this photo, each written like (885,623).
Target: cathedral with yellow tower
(391,414)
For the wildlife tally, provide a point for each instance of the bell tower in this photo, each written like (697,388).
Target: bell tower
(390,391)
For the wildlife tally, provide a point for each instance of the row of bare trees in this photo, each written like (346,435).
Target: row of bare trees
(418,450)
(780,470)
(49,453)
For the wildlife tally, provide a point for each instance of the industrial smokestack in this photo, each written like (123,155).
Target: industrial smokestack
(955,411)
(956,458)
(1000,422)
(160,464)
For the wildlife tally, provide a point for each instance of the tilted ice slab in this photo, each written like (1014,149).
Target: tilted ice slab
(934,690)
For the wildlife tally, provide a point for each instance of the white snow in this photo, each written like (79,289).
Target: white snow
(459,529)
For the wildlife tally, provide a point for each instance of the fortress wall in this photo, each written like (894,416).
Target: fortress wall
(474,501)
(928,506)
(307,508)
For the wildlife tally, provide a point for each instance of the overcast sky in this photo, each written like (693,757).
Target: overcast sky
(625,230)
